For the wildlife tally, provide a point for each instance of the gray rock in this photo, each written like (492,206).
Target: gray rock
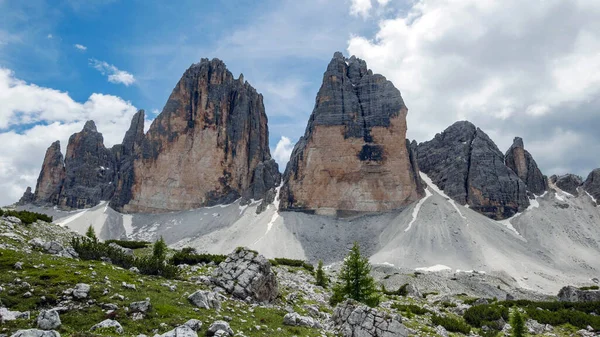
(141,306)
(126,251)
(217,326)
(412,291)
(48,320)
(535,328)
(521,162)
(110,325)
(592,184)
(51,178)
(356,320)
(296,319)
(18,265)
(441,331)
(27,198)
(194,324)
(573,294)
(35,333)
(13,220)
(568,183)
(7,315)
(466,164)
(182,331)
(89,170)
(205,299)
(53,247)
(247,275)
(81,290)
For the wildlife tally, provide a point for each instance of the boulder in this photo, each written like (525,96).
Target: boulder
(48,320)
(217,326)
(296,319)
(356,320)
(354,156)
(108,324)
(81,290)
(466,164)
(35,333)
(573,294)
(535,328)
(194,324)
(181,331)
(7,315)
(441,331)
(126,251)
(205,299)
(521,162)
(141,306)
(247,275)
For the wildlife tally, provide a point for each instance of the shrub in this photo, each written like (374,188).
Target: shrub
(292,263)
(486,314)
(356,281)
(130,244)
(159,250)
(590,288)
(415,309)
(451,324)
(189,256)
(402,291)
(26,217)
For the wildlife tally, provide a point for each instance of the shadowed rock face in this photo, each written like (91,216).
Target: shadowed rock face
(353,156)
(204,148)
(592,184)
(52,176)
(521,162)
(27,198)
(466,164)
(567,182)
(90,170)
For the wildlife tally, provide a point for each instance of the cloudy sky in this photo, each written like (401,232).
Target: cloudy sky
(512,67)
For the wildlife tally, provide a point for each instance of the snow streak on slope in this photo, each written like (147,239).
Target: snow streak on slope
(415,211)
(434,187)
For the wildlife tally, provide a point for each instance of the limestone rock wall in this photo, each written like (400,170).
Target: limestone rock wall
(521,162)
(354,156)
(466,164)
(52,176)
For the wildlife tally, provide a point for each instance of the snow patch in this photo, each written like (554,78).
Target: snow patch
(127,224)
(591,197)
(71,218)
(437,267)
(417,209)
(506,223)
(436,189)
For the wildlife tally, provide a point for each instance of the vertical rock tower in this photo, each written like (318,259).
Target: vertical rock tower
(354,156)
(204,147)
(52,176)
(521,162)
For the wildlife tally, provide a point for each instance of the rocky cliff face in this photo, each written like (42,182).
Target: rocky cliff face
(205,146)
(125,155)
(592,184)
(52,176)
(353,156)
(89,170)
(567,182)
(466,164)
(521,162)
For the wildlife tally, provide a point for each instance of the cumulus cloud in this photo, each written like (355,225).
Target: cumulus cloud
(77,45)
(513,68)
(114,74)
(283,151)
(32,117)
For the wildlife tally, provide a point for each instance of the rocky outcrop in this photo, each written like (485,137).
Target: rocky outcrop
(52,176)
(247,275)
(573,294)
(205,146)
(354,320)
(466,164)
(568,183)
(90,170)
(125,154)
(27,198)
(521,162)
(354,156)
(592,184)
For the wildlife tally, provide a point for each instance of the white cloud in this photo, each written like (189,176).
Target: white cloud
(114,74)
(77,45)
(283,151)
(47,115)
(50,36)
(360,7)
(511,67)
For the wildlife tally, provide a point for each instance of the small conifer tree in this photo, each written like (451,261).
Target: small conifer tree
(159,251)
(90,233)
(322,279)
(356,281)
(518,325)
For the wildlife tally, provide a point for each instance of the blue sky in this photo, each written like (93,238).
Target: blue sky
(514,68)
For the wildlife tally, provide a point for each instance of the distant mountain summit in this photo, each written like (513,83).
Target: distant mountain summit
(354,156)
(208,146)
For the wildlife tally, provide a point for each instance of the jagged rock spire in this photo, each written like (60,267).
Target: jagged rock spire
(521,162)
